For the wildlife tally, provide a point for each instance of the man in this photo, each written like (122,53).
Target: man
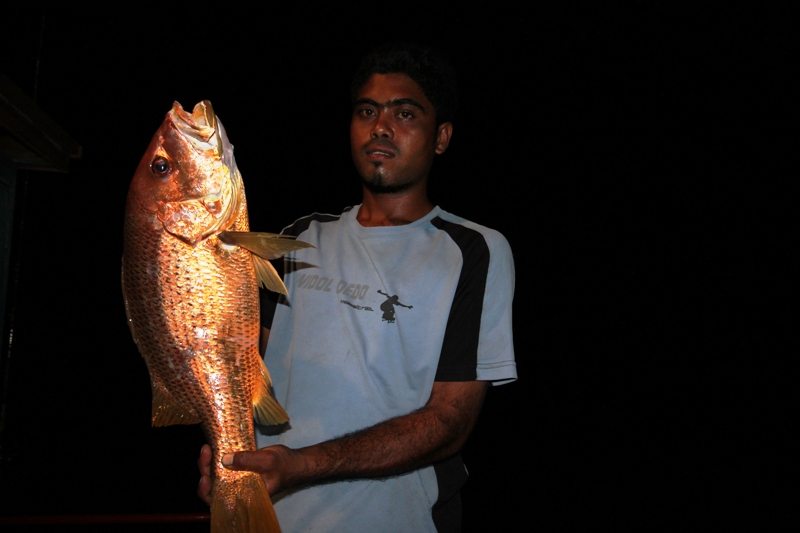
(380,408)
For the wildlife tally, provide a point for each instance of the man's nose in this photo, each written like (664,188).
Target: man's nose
(382,127)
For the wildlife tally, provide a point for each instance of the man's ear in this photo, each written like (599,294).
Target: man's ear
(443,133)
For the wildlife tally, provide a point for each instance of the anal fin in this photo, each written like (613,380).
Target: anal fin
(168,412)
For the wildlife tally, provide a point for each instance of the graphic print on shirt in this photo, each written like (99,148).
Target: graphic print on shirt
(388,307)
(326,284)
(355,291)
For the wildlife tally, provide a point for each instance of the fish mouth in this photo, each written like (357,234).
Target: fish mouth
(199,127)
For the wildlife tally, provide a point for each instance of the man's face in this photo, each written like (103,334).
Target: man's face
(393,133)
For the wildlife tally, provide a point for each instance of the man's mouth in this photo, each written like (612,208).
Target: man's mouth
(380,149)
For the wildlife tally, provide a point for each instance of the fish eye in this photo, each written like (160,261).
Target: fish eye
(160,167)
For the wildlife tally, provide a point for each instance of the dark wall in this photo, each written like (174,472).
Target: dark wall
(628,155)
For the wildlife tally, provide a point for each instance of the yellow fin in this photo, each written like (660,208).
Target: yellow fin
(267,245)
(243,505)
(266,409)
(166,411)
(267,275)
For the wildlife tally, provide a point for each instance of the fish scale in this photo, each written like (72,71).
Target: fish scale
(190,275)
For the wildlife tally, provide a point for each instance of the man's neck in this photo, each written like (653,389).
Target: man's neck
(395,209)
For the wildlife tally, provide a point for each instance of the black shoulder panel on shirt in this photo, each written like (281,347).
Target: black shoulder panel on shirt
(268,299)
(459,358)
(302,224)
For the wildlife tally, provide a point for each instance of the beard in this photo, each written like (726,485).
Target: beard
(376,183)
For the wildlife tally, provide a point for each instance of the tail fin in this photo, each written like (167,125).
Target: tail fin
(241,504)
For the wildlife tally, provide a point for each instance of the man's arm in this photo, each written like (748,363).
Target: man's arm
(433,432)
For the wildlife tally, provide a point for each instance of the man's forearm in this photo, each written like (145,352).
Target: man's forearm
(398,445)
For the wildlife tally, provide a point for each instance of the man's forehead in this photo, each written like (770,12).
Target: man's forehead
(395,86)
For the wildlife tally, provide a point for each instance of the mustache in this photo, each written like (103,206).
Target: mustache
(379,143)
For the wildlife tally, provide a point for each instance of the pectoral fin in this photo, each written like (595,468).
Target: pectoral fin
(166,411)
(265,247)
(266,409)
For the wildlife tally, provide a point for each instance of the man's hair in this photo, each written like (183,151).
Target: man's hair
(427,66)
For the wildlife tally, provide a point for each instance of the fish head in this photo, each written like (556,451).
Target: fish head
(187,181)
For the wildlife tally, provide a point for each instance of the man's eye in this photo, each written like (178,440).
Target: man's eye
(405,114)
(366,112)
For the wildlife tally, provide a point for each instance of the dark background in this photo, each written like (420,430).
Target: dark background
(631,155)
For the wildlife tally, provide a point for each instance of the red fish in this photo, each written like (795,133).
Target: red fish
(190,275)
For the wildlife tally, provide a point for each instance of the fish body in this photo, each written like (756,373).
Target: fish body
(190,275)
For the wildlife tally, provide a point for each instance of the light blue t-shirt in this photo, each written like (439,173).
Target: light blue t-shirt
(374,316)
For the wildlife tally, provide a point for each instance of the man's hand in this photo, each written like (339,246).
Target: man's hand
(278,466)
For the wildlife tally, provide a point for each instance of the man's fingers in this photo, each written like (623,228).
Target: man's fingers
(269,462)
(204,461)
(204,465)
(240,461)
(204,489)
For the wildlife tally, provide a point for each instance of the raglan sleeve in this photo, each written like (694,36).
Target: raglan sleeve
(496,359)
(478,342)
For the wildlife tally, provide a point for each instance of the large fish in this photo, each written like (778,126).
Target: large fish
(190,275)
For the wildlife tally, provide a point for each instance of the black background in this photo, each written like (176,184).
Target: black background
(630,154)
